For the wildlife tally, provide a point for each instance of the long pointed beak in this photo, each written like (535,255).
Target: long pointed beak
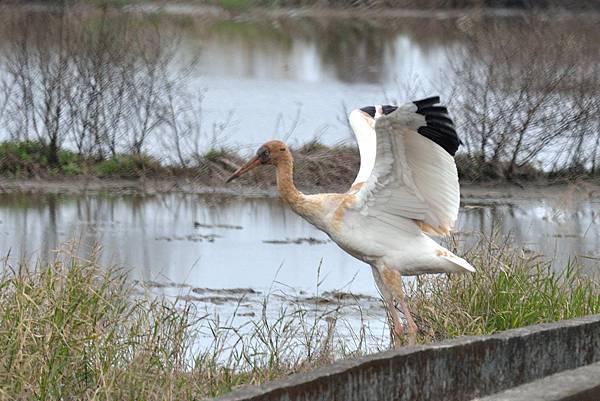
(254,162)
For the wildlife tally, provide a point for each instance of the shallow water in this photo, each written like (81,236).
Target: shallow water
(222,242)
(270,72)
(239,259)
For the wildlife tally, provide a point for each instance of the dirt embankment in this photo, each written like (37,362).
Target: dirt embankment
(317,169)
(471,193)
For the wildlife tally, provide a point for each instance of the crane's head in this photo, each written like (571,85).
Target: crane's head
(271,152)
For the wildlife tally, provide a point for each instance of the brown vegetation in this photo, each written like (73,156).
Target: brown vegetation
(524,95)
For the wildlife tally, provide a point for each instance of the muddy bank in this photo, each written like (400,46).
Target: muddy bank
(253,298)
(362,10)
(317,169)
(472,194)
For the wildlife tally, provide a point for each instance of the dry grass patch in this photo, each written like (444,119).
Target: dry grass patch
(71,329)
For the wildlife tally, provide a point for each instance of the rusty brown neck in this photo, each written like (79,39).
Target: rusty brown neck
(285,181)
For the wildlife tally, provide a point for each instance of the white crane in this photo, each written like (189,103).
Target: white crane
(406,190)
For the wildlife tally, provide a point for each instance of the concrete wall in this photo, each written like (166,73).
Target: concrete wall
(581,384)
(460,369)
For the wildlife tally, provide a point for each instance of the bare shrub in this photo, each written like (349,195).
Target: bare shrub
(38,66)
(523,94)
(97,82)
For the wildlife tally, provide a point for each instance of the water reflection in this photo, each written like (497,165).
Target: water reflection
(221,242)
(560,234)
(319,50)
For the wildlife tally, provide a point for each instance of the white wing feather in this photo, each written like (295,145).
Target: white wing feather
(405,175)
(364,132)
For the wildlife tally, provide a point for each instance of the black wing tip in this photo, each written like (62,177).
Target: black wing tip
(430,101)
(387,109)
(370,110)
(440,127)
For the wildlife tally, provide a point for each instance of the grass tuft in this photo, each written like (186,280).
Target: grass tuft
(215,155)
(510,289)
(128,166)
(71,329)
(30,158)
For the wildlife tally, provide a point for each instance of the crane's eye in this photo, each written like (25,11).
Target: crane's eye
(263,154)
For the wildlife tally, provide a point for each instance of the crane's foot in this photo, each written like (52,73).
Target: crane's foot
(410,323)
(396,328)
(397,332)
(412,337)
(402,336)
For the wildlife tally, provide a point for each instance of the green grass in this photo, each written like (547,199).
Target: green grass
(22,158)
(234,5)
(30,158)
(509,290)
(313,146)
(214,155)
(71,329)
(25,159)
(127,166)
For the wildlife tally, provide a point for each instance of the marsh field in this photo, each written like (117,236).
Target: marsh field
(130,270)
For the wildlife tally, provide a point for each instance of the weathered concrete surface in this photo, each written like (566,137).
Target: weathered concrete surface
(581,384)
(460,369)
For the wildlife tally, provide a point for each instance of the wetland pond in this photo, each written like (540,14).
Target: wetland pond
(265,77)
(215,249)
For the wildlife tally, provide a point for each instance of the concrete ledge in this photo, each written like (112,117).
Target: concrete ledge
(461,369)
(581,384)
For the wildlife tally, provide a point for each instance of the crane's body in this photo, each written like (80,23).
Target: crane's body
(402,246)
(406,190)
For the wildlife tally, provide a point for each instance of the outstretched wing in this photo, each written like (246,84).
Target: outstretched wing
(407,164)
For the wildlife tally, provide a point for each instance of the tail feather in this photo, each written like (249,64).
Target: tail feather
(458,261)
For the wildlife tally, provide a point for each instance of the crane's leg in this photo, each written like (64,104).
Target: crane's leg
(393,280)
(399,294)
(396,329)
